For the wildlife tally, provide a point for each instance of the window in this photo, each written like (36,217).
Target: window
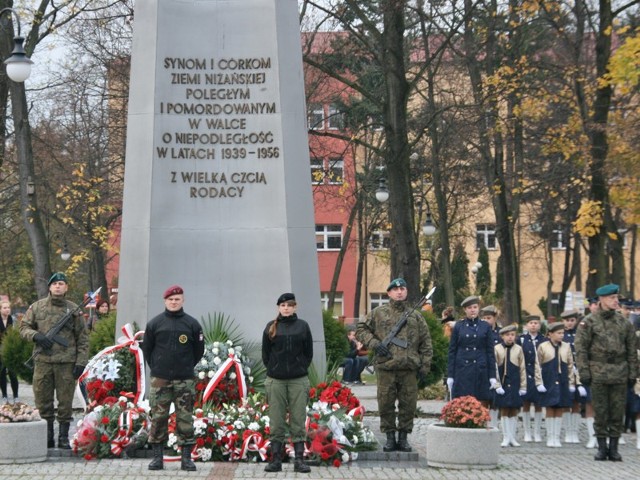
(336,118)
(558,238)
(379,241)
(335,172)
(317,171)
(377,299)
(338,305)
(328,237)
(316,116)
(486,235)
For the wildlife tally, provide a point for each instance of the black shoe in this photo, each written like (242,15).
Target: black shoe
(185,462)
(403,444)
(50,437)
(158,452)
(298,463)
(391,445)
(614,456)
(603,451)
(63,436)
(275,465)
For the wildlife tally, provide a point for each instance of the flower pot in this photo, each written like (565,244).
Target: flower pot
(23,442)
(462,448)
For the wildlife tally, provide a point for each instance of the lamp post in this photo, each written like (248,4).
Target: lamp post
(18,65)
(65,254)
(382,192)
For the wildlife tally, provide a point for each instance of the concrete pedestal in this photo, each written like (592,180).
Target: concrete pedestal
(23,442)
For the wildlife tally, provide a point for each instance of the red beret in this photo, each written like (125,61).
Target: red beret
(173,290)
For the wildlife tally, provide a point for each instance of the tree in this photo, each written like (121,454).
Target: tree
(46,18)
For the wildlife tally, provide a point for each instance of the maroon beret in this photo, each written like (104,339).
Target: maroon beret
(173,290)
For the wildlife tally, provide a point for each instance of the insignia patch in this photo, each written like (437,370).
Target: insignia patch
(182,338)
(201,337)
(582,324)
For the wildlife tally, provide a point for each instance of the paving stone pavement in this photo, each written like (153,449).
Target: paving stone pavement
(528,462)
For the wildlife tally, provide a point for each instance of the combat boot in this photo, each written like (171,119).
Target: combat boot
(50,441)
(614,456)
(158,451)
(603,451)
(63,436)
(298,464)
(403,444)
(275,465)
(391,445)
(185,462)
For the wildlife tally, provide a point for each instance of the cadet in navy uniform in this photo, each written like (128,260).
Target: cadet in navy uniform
(556,361)
(512,383)
(489,314)
(529,342)
(571,418)
(471,366)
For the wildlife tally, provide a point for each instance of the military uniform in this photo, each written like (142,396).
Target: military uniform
(54,368)
(397,372)
(607,359)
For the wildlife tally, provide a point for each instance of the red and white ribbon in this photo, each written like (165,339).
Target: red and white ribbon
(254,442)
(229,363)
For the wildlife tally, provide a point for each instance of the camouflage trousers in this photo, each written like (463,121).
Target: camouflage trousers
(50,378)
(400,386)
(609,403)
(163,393)
(287,396)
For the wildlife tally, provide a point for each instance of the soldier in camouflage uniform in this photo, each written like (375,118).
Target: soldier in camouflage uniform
(397,367)
(56,367)
(173,345)
(607,360)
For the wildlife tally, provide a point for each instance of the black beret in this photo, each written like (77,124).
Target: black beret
(286,297)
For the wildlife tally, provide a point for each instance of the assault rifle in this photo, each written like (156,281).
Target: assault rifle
(52,334)
(391,337)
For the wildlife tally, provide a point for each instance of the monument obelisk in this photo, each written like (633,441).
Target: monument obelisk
(217,194)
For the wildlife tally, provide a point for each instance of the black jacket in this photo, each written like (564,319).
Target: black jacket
(289,354)
(173,344)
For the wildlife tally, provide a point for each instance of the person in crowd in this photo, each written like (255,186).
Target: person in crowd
(396,365)
(56,367)
(582,398)
(287,352)
(448,320)
(512,383)
(489,314)
(100,312)
(593,305)
(7,323)
(173,344)
(556,363)
(530,341)
(356,361)
(471,368)
(606,352)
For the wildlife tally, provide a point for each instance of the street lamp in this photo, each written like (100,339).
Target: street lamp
(476,267)
(65,254)
(382,192)
(429,229)
(18,64)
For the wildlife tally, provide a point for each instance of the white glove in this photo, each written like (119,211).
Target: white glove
(493,382)
(522,393)
(636,388)
(572,389)
(582,391)
(500,391)
(450,383)
(541,389)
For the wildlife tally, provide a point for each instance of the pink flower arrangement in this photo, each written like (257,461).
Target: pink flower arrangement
(465,412)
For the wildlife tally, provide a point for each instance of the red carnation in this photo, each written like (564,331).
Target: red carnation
(104,420)
(104,438)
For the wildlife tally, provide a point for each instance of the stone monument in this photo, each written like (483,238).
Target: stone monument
(217,194)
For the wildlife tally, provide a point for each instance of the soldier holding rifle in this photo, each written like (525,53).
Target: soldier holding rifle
(59,358)
(400,338)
